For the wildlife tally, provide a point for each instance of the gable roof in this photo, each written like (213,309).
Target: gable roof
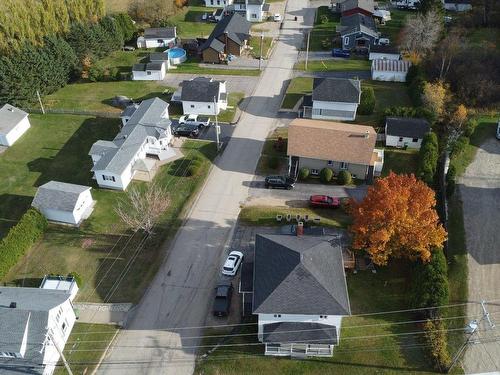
(58,196)
(407,127)
(384,65)
(300,332)
(328,140)
(160,33)
(10,116)
(353,4)
(236,27)
(200,89)
(299,275)
(145,121)
(358,23)
(336,90)
(384,49)
(153,66)
(158,57)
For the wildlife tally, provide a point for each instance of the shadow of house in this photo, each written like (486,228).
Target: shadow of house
(72,163)
(12,208)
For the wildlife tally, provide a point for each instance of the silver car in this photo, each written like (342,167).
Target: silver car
(232,263)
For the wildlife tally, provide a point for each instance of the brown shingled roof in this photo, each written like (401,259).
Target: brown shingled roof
(327,140)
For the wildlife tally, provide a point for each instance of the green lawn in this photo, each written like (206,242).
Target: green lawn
(484,37)
(189,24)
(270,152)
(124,60)
(324,29)
(392,28)
(56,148)
(86,344)
(192,66)
(297,88)
(267,42)
(97,96)
(387,354)
(331,65)
(400,161)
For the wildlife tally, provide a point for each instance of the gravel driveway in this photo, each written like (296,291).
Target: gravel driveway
(243,84)
(480,192)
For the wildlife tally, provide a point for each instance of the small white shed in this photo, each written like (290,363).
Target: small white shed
(390,70)
(13,124)
(149,72)
(64,203)
(158,37)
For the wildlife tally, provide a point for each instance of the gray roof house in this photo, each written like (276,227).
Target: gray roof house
(13,124)
(145,132)
(299,293)
(199,94)
(157,37)
(64,203)
(358,32)
(333,99)
(27,316)
(405,131)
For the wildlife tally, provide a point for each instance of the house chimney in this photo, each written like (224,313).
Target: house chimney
(300,229)
(13,305)
(367,134)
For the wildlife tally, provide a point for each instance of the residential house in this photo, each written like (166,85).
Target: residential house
(407,4)
(153,71)
(358,32)
(333,99)
(35,324)
(229,37)
(299,294)
(378,52)
(158,37)
(315,145)
(253,10)
(457,5)
(405,131)
(350,7)
(218,3)
(202,96)
(64,203)
(382,16)
(13,124)
(390,70)
(145,138)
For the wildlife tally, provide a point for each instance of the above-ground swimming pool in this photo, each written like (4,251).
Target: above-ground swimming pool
(176,55)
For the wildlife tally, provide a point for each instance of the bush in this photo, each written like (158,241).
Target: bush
(451,181)
(326,175)
(20,239)
(96,73)
(367,102)
(303,173)
(470,127)
(273,162)
(418,112)
(428,158)
(435,335)
(459,146)
(344,178)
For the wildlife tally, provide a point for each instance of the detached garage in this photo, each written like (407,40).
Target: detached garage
(390,70)
(149,72)
(13,124)
(64,203)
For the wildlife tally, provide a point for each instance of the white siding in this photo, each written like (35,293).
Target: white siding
(394,141)
(149,75)
(14,134)
(217,3)
(336,106)
(118,184)
(254,13)
(154,42)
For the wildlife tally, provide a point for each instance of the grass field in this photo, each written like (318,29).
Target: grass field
(267,43)
(86,344)
(270,152)
(332,65)
(393,27)
(297,88)
(189,24)
(97,96)
(56,148)
(323,30)
(400,161)
(191,65)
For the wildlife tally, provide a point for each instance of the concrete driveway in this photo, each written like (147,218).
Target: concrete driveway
(480,192)
(208,133)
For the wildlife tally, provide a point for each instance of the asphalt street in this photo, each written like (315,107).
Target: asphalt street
(159,337)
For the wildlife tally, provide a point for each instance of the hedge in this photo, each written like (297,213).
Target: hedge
(303,173)
(451,182)
(20,239)
(367,101)
(344,178)
(326,175)
(437,344)
(428,158)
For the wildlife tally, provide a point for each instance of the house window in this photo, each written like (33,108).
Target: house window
(346,41)
(323,316)
(253,15)
(192,105)
(400,139)
(414,140)
(208,106)
(277,315)
(211,2)
(330,162)
(218,2)
(108,178)
(315,172)
(343,165)
(148,73)
(63,327)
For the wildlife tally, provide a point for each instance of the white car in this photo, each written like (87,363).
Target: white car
(277,17)
(498,130)
(232,263)
(384,41)
(200,121)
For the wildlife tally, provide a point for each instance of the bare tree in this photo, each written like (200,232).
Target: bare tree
(448,49)
(421,34)
(141,208)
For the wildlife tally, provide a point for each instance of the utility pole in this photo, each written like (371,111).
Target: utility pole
(66,364)
(217,128)
(40,101)
(261,43)
(307,48)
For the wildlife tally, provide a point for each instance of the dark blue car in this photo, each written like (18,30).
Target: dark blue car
(339,52)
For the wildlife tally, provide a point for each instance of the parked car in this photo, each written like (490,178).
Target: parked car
(204,16)
(277,17)
(279,182)
(199,121)
(324,201)
(187,131)
(339,52)
(384,42)
(222,303)
(128,48)
(232,263)
(498,130)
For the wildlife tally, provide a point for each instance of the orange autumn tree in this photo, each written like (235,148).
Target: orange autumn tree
(397,219)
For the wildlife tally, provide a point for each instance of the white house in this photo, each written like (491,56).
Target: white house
(390,70)
(457,5)
(13,124)
(255,10)
(379,52)
(64,203)
(202,96)
(158,37)
(153,71)
(299,294)
(334,99)
(35,326)
(145,138)
(405,131)
(218,3)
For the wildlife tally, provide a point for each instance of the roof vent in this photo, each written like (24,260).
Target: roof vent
(13,305)
(367,134)
(10,109)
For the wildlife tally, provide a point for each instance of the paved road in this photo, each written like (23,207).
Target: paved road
(243,84)
(181,292)
(480,192)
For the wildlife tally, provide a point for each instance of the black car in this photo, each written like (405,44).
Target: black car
(279,182)
(223,293)
(191,131)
